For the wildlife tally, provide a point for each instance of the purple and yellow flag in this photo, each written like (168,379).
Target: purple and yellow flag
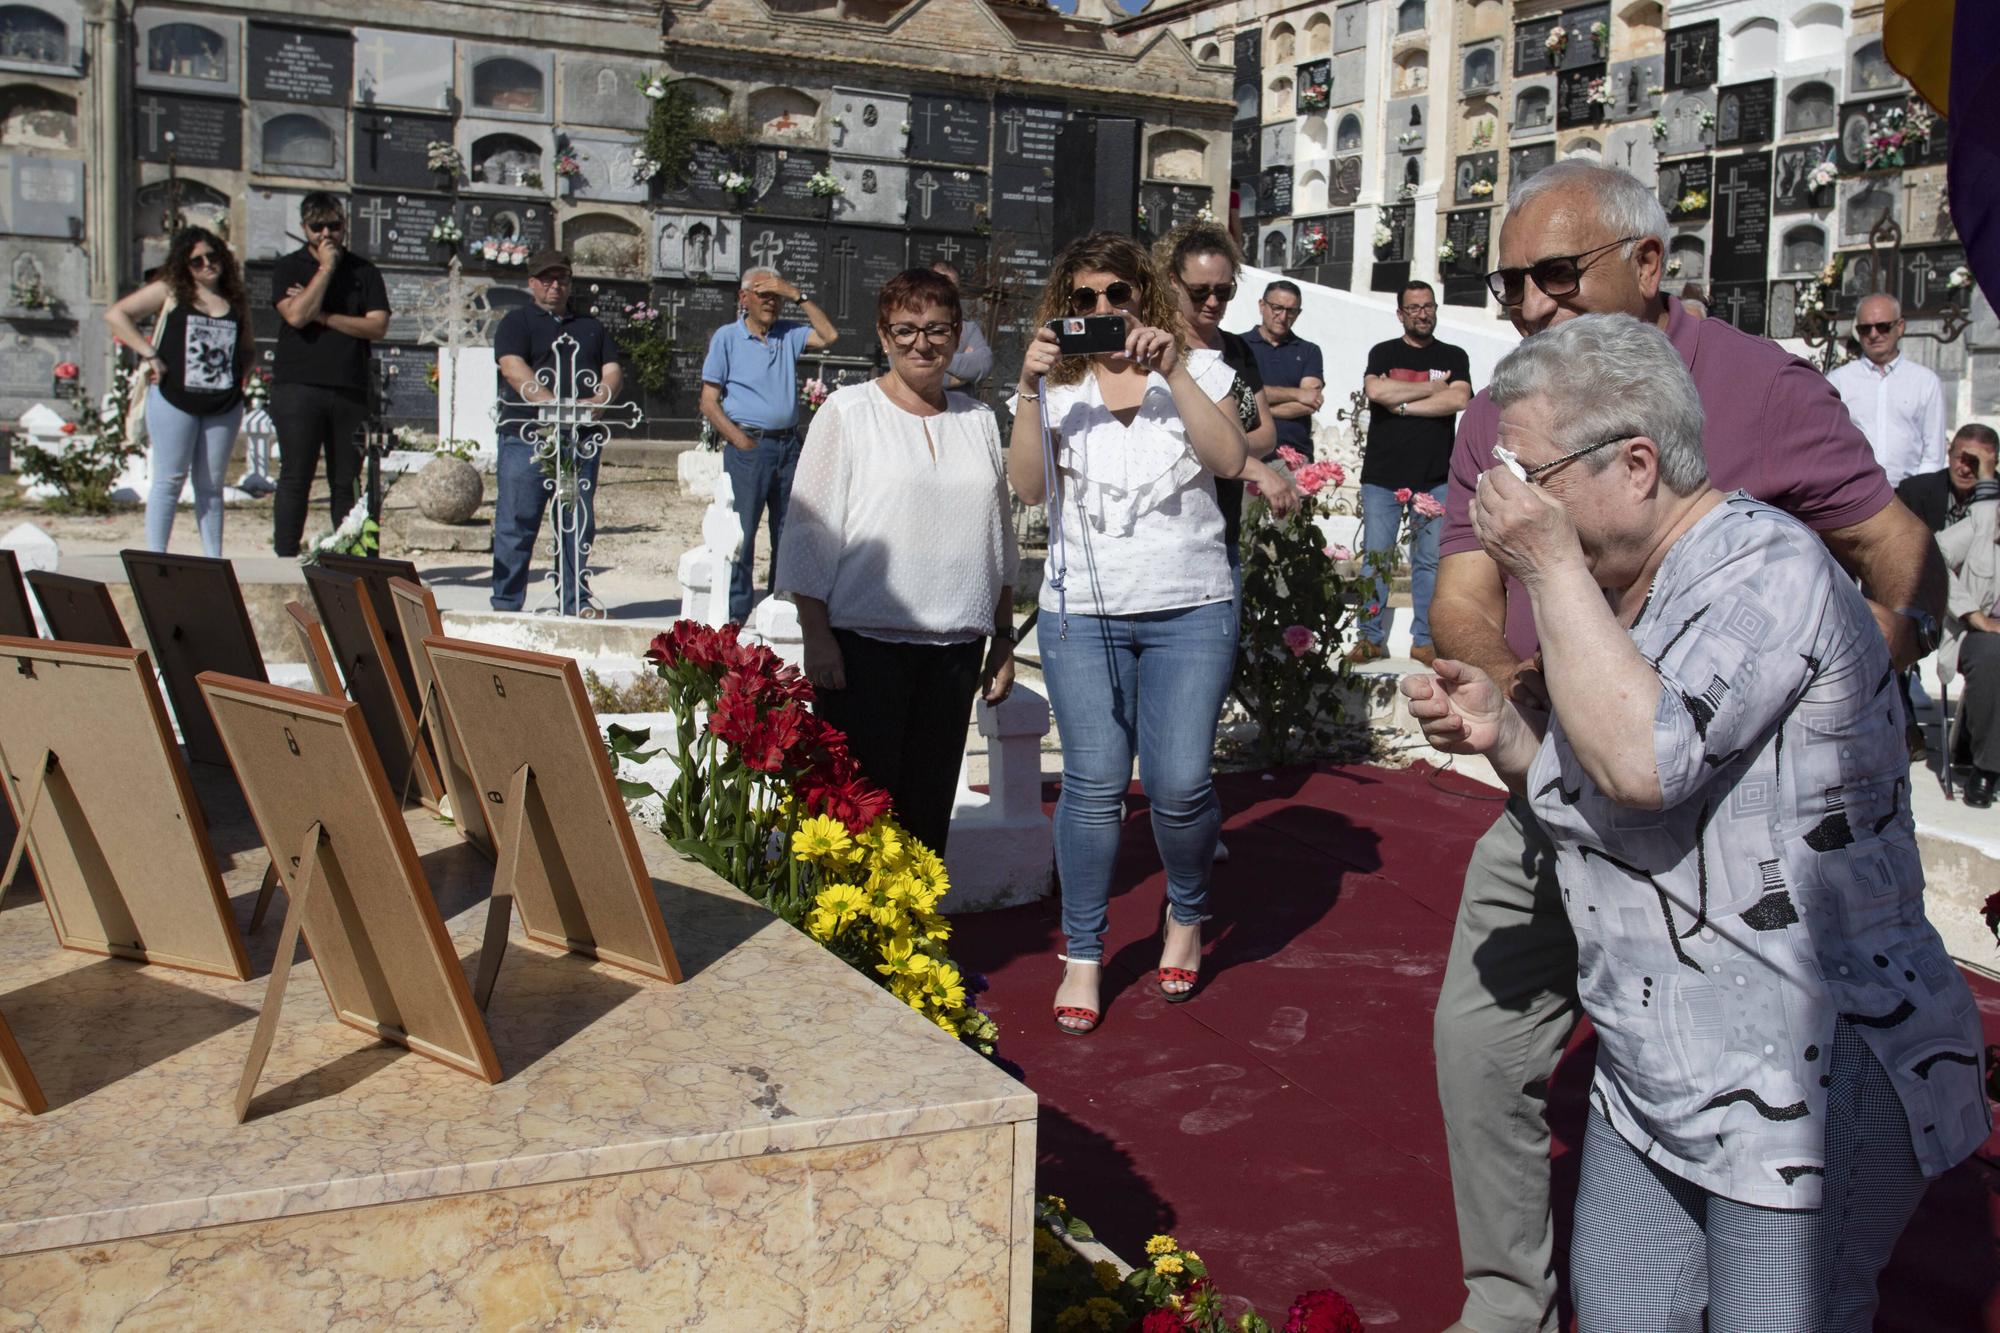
(1949,50)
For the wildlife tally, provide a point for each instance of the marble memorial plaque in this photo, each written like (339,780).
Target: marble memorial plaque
(1781,310)
(28,360)
(1470,232)
(1248,50)
(1740,304)
(599,90)
(403,69)
(510,82)
(946,199)
(1534,109)
(1314,86)
(1405,126)
(606,302)
(1343,181)
(1689,116)
(1244,145)
(1636,88)
(1926,216)
(524,224)
(392,148)
(1275,150)
(1024,131)
(1401,220)
(1692,55)
(307,141)
(1312,240)
(410,293)
(1932,150)
(1350,77)
(1630,148)
(404,374)
(1925,276)
(1741,249)
(396,228)
(1168,206)
(1573,104)
(1021,269)
(795,249)
(192,131)
(1687,188)
(1857,281)
(877,192)
(1864,203)
(692,312)
(1274,192)
(43,196)
(505,157)
(179,50)
(970,255)
(699,189)
(606,174)
(859,260)
(1523,163)
(1350,28)
(264,319)
(950,128)
(1583,49)
(311,66)
(271,221)
(1868,69)
(870,124)
(1402,173)
(1791,185)
(1024,200)
(779,183)
(1531,45)
(1473,168)
(1746,113)
(46,280)
(1273,248)
(1858,121)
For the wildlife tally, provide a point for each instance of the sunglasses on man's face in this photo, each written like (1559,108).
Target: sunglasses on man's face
(1873,330)
(1557,276)
(1083,300)
(326,226)
(1201,292)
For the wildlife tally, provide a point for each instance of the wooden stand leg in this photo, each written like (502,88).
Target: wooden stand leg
(28,807)
(281,968)
(500,907)
(264,892)
(417,744)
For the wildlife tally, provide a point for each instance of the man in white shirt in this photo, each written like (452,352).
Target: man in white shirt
(1898,404)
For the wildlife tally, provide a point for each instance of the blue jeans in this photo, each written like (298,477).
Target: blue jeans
(1152,682)
(183,444)
(517,520)
(762,477)
(1381,521)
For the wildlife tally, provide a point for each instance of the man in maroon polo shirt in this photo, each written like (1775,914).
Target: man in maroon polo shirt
(1586,239)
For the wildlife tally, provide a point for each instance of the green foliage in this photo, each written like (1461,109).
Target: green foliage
(672,127)
(648,353)
(82,474)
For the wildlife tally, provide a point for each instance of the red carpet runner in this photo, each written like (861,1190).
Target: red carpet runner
(1285,1124)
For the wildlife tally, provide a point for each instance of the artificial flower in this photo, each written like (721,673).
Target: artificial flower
(1403,495)
(1300,640)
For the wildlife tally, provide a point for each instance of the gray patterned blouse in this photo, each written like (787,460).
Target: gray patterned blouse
(1778,890)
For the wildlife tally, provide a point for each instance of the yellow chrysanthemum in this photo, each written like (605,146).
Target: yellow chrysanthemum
(897,950)
(886,845)
(1161,1245)
(822,925)
(930,869)
(1168,1264)
(1106,1274)
(946,986)
(822,840)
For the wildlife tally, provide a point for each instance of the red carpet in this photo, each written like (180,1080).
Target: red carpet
(1284,1124)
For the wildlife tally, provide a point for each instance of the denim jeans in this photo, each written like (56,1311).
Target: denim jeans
(1152,683)
(1381,522)
(761,476)
(517,520)
(182,444)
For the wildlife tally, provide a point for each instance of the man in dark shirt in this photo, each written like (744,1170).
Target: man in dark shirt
(1943,497)
(333,305)
(1292,369)
(1418,386)
(524,349)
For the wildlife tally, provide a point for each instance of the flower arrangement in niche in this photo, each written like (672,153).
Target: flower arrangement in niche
(1447,252)
(1823,175)
(257,387)
(654,86)
(1481,188)
(642,337)
(1313,243)
(1316,96)
(1600,36)
(444,159)
(1888,136)
(1384,236)
(1557,42)
(1659,127)
(733,182)
(1691,202)
(643,168)
(813,394)
(1482,134)
(1707,120)
(445,232)
(1960,279)
(1674,267)
(825,184)
(568,165)
(531,180)
(1408,137)
(1598,92)
(1475,250)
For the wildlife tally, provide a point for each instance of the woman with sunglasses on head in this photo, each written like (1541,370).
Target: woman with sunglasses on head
(899,554)
(1139,639)
(196,361)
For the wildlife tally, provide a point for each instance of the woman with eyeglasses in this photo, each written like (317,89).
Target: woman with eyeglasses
(1138,638)
(899,554)
(196,361)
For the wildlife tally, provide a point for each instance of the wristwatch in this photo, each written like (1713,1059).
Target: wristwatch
(1927,626)
(1402,409)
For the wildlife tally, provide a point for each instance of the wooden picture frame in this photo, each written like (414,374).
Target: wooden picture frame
(567,848)
(315,650)
(195,621)
(78,610)
(347,615)
(18,1086)
(417,616)
(17,617)
(375,572)
(355,888)
(107,811)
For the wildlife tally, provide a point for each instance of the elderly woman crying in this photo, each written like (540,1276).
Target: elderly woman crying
(1787,1054)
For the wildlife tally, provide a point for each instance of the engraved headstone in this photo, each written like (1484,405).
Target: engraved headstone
(970,255)
(192,131)
(859,260)
(1244,148)
(1523,163)
(1531,45)
(1401,220)
(41,196)
(1024,200)
(392,148)
(606,302)
(403,69)
(1278,140)
(1343,181)
(1693,52)
(1248,99)
(1350,77)
(28,358)
(870,124)
(1350,27)
(780,183)
(875,192)
(177,50)
(1315,86)
(697,246)
(306,141)
(1866,202)
(948,127)
(1925,277)
(1024,131)
(1781,310)
(1470,232)
(493,225)
(700,188)
(1742,210)
(409,292)
(1637,87)
(47,280)
(1583,47)
(404,376)
(1926,211)
(396,228)
(598,90)
(606,170)
(1630,148)
(1274,192)
(511,82)
(692,312)
(1247,48)
(1858,280)
(313,66)
(1472,169)
(946,198)
(1021,267)
(1746,113)
(1859,125)
(1168,206)
(795,249)
(504,157)
(1687,188)
(1688,117)
(1741,304)
(264,319)
(1574,106)
(1792,189)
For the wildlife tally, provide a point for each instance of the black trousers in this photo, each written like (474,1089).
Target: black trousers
(905,711)
(312,419)
(1979,700)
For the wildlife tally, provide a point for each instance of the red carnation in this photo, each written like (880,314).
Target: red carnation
(67,370)
(1163,1320)
(69,428)
(1322,1311)
(733,718)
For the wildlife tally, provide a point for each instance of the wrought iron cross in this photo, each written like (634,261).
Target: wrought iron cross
(566,435)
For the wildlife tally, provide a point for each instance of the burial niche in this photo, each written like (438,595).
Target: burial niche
(1804,249)
(710,100)
(1531,108)
(32,117)
(1691,254)
(298,141)
(784,113)
(1311,197)
(1410,16)
(1752,48)
(1281,98)
(1284,44)
(605,241)
(503,83)
(1815,34)
(1413,71)
(1211,54)
(1586,148)
(1312,129)
(1808,107)
(1482,68)
(1870,71)
(1176,155)
(187,51)
(1274,250)
(1347,139)
(32,36)
(507,160)
(1319,35)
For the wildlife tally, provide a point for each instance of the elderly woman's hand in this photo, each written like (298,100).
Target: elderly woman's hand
(1526,531)
(1459,707)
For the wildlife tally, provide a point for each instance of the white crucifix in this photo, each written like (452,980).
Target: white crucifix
(767,249)
(927,185)
(947,250)
(1728,193)
(376,48)
(151,111)
(670,306)
(1013,118)
(374,213)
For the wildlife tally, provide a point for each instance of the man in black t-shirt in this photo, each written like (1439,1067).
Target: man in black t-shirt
(333,304)
(1418,386)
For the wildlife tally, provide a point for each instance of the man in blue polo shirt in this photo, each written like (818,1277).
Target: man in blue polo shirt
(524,346)
(750,395)
(1293,370)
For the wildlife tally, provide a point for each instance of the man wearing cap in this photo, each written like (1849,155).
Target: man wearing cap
(524,346)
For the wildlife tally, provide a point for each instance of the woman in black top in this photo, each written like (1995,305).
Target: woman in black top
(196,361)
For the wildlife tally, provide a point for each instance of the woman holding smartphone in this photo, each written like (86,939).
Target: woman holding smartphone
(1139,640)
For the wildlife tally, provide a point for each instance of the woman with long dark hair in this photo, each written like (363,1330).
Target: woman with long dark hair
(197,358)
(1139,640)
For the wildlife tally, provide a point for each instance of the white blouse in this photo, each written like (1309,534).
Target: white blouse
(1140,522)
(900,523)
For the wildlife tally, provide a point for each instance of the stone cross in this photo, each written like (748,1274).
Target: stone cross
(929,113)
(843,251)
(375,213)
(151,111)
(567,431)
(1728,193)
(767,249)
(1013,118)
(1732,301)
(448,321)
(927,185)
(670,309)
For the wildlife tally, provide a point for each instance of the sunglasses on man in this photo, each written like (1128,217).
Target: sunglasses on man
(334,226)
(1872,330)
(1557,276)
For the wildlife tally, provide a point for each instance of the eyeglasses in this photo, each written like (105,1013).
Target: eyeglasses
(552,277)
(204,260)
(1084,299)
(1288,311)
(1870,330)
(1430,309)
(906,335)
(1558,275)
(326,226)
(1544,468)
(1200,292)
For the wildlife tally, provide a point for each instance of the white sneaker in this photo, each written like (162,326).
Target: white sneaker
(1221,851)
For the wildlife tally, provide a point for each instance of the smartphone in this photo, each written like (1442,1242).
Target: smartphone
(1088,335)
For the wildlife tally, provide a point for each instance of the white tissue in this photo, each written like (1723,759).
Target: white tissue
(1507,458)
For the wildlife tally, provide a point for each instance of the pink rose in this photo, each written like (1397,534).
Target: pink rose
(67,370)
(1338,552)
(1292,457)
(1402,495)
(1426,506)
(1372,609)
(1299,639)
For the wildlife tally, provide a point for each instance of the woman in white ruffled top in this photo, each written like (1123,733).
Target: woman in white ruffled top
(1139,638)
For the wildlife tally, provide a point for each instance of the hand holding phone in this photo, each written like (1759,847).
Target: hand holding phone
(1088,335)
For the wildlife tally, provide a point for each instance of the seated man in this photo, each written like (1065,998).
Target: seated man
(1944,497)
(1972,645)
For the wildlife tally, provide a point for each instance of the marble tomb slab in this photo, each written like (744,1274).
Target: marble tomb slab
(601,91)
(41,196)
(405,69)
(870,124)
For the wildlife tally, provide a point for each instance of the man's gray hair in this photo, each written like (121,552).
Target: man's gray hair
(1624,205)
(1607,377)
(751,275)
